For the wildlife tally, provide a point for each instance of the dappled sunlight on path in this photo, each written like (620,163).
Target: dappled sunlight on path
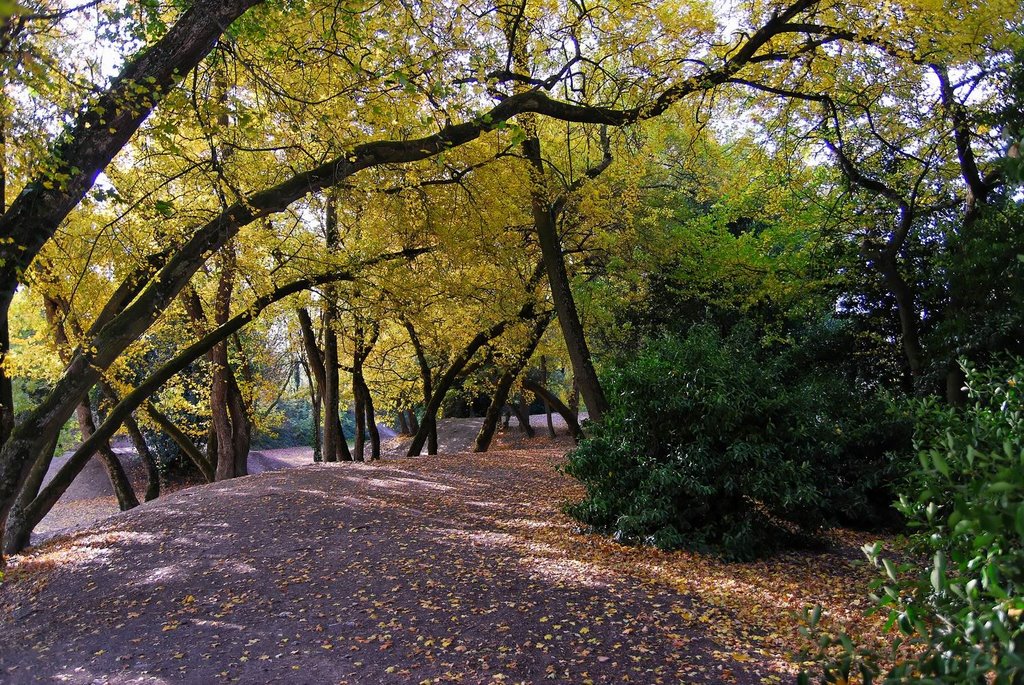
(456,568)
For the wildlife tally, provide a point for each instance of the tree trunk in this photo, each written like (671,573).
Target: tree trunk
(359,411)
(907,311)
(501,391)
(220,415)
(403,424)
(123,490)
(314,402)
(561,290)
(231,425)
(522,411)
(332,405)
(233,428)
(17,531)
(429,421)
(241,428)
(547,405)
(494,409)
(146,457)
(211,449)
(317,377)
(414,425)
(566,411)
(426,378)
(371,420)
(338,448)
(318,446)
(6,385)
(206,464)
(358,398)
(122,487)
(366,420)
(138,441)
(574,398)
(545,227)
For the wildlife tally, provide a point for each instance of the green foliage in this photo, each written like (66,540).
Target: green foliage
(713,443)
(986,284)
(296,427)
(960,613)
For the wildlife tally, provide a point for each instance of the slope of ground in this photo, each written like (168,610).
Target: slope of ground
(457,568)
(90,498)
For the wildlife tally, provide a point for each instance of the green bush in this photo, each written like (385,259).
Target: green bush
(959,614)
(712,443)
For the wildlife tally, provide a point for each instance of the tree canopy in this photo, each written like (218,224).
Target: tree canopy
(378,210)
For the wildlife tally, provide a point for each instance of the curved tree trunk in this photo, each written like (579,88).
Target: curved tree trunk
(146,457)
(570,416)
(522,411)
(58,315)
(41,504)
(122,487)
(205,463)
(138,441)
(494,409)
(501,391)
(17,531)
(429,422)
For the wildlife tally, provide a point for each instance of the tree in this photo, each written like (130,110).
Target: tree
(146,292)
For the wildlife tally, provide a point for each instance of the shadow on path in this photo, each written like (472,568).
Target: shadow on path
(413,571)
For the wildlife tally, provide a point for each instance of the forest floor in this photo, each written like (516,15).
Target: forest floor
(454,568)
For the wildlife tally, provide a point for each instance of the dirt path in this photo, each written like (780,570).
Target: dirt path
(90,498)
(449,569)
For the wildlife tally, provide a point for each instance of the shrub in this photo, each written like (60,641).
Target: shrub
(713,444)
(960,614)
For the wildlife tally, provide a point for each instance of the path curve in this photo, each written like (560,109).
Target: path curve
(456,568)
